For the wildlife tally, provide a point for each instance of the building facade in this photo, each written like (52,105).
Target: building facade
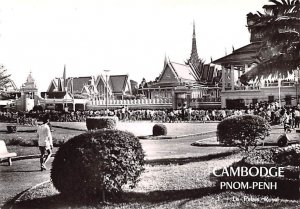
(240,84)
(190,84)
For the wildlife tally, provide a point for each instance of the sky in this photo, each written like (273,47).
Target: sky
(123,36)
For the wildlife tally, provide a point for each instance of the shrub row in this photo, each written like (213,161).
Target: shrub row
(285,156)
(31,143)
(288,157)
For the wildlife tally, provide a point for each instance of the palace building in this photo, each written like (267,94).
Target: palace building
(241,63)
(74,93)
(192,84)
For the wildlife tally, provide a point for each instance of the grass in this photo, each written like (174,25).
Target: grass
(158,184)
(165,186)
(25,150)
(184,185)
(26,138)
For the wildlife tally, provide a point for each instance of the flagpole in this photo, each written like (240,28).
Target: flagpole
(279,85)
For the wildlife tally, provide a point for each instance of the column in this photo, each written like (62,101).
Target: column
(223,78)
(246,68)
(232,77)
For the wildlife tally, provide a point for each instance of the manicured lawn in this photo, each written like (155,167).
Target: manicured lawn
(166,186)
(158,184)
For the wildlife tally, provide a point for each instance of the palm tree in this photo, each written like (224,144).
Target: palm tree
(278,31)
(279,27)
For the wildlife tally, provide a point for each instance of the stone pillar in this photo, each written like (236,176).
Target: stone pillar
(226,77)
(223,78)
(232,77)
(246,68)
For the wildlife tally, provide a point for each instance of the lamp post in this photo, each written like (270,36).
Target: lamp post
(106,80)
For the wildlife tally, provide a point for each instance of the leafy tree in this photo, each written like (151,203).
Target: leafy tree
(279,27)
(4,78)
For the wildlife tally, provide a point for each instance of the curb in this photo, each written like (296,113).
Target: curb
(261,144)
(68,128)
(27,157)
(10,204)
(176,137)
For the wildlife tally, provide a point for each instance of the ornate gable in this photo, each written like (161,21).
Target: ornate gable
(168,75)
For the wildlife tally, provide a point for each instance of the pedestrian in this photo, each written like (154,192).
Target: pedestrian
(44,142)
(297,118)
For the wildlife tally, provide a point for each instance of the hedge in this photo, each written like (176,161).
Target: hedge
(243,131)
(159,130)
(96,163)
(93,123)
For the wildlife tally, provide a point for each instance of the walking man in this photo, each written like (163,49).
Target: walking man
(45,143)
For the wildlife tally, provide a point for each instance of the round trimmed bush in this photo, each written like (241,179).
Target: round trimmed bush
(97,162)
(243,131)
(93,123)
(159,130)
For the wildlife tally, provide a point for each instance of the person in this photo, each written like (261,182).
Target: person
(297,118)
(45,143)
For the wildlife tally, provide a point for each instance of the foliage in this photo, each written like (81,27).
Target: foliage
(38,108)
(32,142)
(283,156)
(243,131)
(11,129)
(159,130)
(96,162)
(288,159)
(101,123)
(4,78)
(279,29)
(289,155)
(260,157)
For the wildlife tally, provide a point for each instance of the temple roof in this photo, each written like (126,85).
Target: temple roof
(118,83)
(80,82)
(184,72)
(244,55)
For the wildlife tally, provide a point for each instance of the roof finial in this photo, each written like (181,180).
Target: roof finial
(194,33)
(194,58)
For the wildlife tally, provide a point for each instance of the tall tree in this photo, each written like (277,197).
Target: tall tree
(279,28)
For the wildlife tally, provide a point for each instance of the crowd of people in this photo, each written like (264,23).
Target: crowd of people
(289,116)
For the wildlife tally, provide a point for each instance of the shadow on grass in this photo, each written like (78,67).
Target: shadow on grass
(155,197)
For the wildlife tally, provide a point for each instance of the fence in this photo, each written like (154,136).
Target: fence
(114,102)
